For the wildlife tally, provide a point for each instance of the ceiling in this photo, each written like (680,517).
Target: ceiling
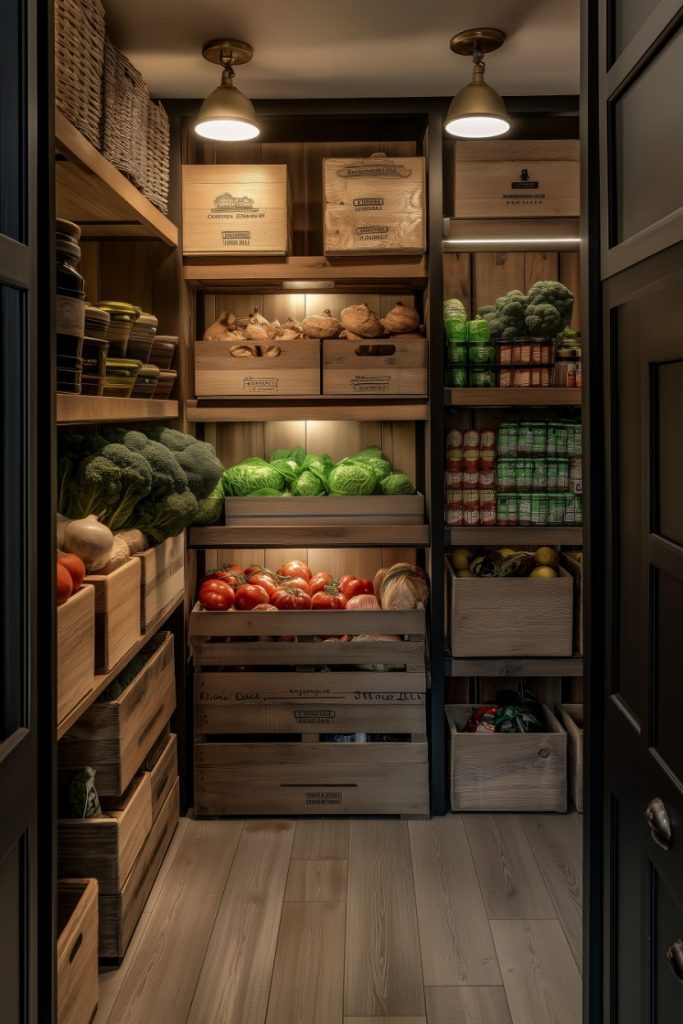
(349,48)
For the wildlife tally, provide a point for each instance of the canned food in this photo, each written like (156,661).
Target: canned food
(471,515)
(457,353)
(453,480)
(505,474)
(505,378)
(507,509)
(481,353)
(556,441)
(575,439)
(454,439)
(470,499)
(575,474)
(539,438)
(470,480)
(454,508)
(539,479)
(508,438)
(539,509)
(470,439)
(573,509)
(487,459)
(556,509)
(552,475)
(525,439)
(525,348)
(487,438)
(456,328)
(504,352)
(457,377)
(562,474)
(521,378)
(524,509)
(487,508)
(478,330)
(483,377)
(487,478)
(454,462)
(524,474)
(470,460)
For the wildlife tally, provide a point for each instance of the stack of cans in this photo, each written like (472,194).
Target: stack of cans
(470,478)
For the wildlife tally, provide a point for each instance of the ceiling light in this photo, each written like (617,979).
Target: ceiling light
(477,111)
(227,115)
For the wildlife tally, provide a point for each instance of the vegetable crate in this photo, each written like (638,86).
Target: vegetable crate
(575,569)
(394,366)
(77,980)
(117,613)
(572,719)
(75,651)
(327,510)
(115,736)
(225,369)
(506,771)
(162,578)
(276,690)
(508,617)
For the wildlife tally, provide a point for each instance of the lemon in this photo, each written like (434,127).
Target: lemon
(544,572)
(476,562)
(461,558)
(506,551)
(464,574)
(547,556)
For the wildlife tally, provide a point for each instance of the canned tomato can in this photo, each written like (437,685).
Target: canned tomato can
(487,459)
(457,377)
(470,439)
(507,509)
(487,507)
(483,377)
(454,508)
(524,509)
(470,480)
(453,480)
(556,509)
(457,353)
(487,439)
(471,508)
(539,479)
(505,474)
(525,439)
(454,439)
(454,461)
(524,474)
(539,509)
(487,478)
(562,474)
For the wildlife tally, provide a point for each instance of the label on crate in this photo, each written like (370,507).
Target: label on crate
(315,717)
(372,232)
(374,170)
(323,799)
(365,385)
(367,204)
(390,698)
(236,238)
(261,385)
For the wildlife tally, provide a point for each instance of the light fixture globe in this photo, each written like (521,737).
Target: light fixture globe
(227,115)
(477,111)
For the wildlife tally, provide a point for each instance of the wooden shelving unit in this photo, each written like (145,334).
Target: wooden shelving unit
(95,409)
(307,273)
(315,536)
(502,397)
(514,667)
(512,535)
(323,408)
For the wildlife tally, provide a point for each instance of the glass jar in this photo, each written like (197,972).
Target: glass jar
(70,305)
(122,316)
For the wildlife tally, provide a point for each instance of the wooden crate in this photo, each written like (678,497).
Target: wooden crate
(517,179)
(114,737)
(117,614)
(374,206)
(327,510)
(572,720)
(163,774)
(162,577)
(77,981)
(575,570)
(293,372)
(393,366)
(236,209)
(510,617)
(506,771)
(75,651)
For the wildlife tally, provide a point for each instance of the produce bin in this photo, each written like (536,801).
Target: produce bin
(328,510)
(247,369)
(77,923)
(506,771)
(75,651)
(571,716)
(386,366)
(575,570)
(162,577)
(117,614)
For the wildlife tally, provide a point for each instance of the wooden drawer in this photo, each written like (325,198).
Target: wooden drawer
(77,982)
(162,578)
(120,912)
(117,614)
(75,651)
(391,366)
(163,775)
(114,737)
(310,717)
(571,716)
(293,369)
(506,771)
(327,510)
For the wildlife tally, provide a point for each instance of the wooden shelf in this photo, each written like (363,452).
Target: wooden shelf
(310,536)
(101,682)
(323,408)
(101,200)
(101,409)
(510,234)
(293,273)
(514,667)
(542,397)
(512,535)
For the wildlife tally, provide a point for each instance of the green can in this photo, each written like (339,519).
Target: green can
(507,509)
(539,479)
(539,438)
(505,475)
(481,353)
(507,438)
(524,509)
(556,509)
(563,474)
(457,353)
(524,474)
(478,330)
(539,509)
(552,475)
(557,439)
(573,515)
(483,377)
(525,439)
(574,439)
(456,328)
(457,377)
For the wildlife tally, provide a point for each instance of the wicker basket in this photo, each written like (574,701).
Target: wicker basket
(158,141)
(79,57)
(124,115)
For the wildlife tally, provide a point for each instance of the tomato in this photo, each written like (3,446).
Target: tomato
(346,579)
(299,582)
(288,598)
(320,581)
(264,579)
(329,598)
(353,587)
(249,595)
(265,608)
(65,584)
(216,596)
(251,570)
(232,575)
(295,569)
(75,567)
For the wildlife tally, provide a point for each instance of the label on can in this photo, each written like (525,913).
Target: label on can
(457,353)
(562,474)
(487,478)
(552,475)
(505,474)
(539,479)
(470,499)
(457,377)
(487,459)
(556,509)
(525,439)
(539,441)
(524,509)
(507,509)
(470,480)
(471,516)
(454,463)
(539,509)
(556,441)
(507,439)
(470,439)
(524,473)
(487,439)
(453,481)
(487,508)
(454,439)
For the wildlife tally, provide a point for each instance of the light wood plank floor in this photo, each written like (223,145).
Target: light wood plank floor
(466,919)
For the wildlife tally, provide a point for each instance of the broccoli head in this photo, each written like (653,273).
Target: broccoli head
(202,467)
(551,293)
(506,318)
(167,475)
(167,516)
(173,439)
(543,320)
(108,483)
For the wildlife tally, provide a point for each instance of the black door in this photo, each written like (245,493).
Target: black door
(26,518)
(634,81)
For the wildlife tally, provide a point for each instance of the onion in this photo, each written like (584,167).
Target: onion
(362,602)
(90,539)
(404,587)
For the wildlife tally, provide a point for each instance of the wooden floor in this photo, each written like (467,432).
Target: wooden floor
(467,919)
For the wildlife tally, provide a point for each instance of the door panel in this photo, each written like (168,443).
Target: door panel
(667,989)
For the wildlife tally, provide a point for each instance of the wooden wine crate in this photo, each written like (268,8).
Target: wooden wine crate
(293,370)
(506,771)
(391,366)
(236,209)
(114,737)
(571,716)
(517,179)
(75,651)
(327,510)
(77,980)
(117,613)
(162,577)
(504,618)
(374,206)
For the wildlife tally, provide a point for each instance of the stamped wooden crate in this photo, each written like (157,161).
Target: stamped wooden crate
(114,737)
(327,510)
(77,925)
(289,368)
(75,651)
(508,617)
(374,205)
(393,366)
(572,720)
(506,771)
(162,577)
(117,613)
(236,209)
(575,569)
(517,178)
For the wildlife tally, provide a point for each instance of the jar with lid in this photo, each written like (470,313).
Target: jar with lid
(70,305)
(122,316)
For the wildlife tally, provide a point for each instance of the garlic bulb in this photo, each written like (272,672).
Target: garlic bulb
(362,321)
(401,319)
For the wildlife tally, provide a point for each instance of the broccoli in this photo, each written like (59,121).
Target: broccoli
(506,318)
(108,483)
(167,474)
(540,321)
(543,320)
(202,467)
(175,440)
(168,516)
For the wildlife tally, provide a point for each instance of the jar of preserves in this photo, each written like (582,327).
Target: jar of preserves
(70,304)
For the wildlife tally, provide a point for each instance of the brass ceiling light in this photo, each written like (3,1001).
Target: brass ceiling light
(227,115)
(477,111)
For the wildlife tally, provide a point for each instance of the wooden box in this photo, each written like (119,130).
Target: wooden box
(575,570)
(572,720)
(293,371)
(235,209)
(117,614)
(114,737)
(509,618)
(517,179)
(163,774)
(393,366)
(77,981)
(75,651)
(374,206)
(162,578)
(327,510)
(506,771)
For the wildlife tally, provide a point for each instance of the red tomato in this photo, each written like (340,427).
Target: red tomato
(249,595)
(264,579)
(232,575)
(290,599)
(252,569)
(300,582)
(265,608)
(320,581)
(65,584)
(75,567)
(328,599)
(295,569)
(216,596)
(353,587)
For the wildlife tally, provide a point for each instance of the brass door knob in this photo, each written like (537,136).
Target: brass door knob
(674,958)
(659,823)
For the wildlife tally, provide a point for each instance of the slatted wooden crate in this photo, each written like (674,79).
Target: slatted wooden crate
(394,366)
(162,577)
(114,737)
(117,613)
(575,569)
(75,651)
(327,510)
(506,771)
(236,209)
(291,369)
(571,716)
(77,923)
(375,205)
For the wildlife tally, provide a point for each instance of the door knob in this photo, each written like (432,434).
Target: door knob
(674,958)
(659,823)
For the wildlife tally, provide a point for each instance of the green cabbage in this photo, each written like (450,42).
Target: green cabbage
(252,475)
(351,477)
(308,484)
(397,483)
(212,509)
(375,459)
